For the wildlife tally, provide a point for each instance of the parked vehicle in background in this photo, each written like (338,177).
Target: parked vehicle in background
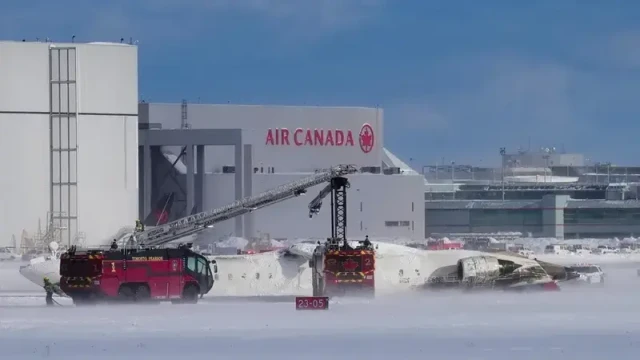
(526,253)
(443,244)
(604,250)
(557,249)
(580,249)
(589,273)
(7,254)
(629,248)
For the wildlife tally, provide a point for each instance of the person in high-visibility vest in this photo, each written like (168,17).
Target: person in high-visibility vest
(139,226)
(48,287)
(367,244)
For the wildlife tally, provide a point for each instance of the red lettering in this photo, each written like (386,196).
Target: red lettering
(349,138)
(269,137)
(318,137)
(329,139)
(339,138)
(308,139)
(296,137)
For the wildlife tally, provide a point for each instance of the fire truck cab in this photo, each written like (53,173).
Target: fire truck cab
(135,275)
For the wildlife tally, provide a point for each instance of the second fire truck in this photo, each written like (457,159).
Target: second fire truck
(338,268)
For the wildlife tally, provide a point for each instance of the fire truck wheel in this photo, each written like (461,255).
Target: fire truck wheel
(143,294)
(125,293)
(190,294)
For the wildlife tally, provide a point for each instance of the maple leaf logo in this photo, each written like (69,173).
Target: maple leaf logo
(350,265)
(367,138)
(162,217)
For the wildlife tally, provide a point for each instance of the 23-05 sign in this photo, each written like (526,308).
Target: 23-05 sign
(312,303)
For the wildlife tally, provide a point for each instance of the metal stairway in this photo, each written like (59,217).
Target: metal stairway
(196,223)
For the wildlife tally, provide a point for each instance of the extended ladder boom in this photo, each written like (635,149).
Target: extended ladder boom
(196,223)
(316,203)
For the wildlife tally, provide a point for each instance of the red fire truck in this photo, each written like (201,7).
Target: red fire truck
(337,267)
(135,275)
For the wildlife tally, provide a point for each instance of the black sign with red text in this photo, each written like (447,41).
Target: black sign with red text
(312,303)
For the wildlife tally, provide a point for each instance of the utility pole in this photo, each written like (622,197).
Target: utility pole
(453,171)
(503,152)
(546,167)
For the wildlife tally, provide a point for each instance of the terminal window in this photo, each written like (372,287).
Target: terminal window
(397,223)
(628,216)
(506,217)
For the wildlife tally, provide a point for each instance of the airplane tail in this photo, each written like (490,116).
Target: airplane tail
(161,211)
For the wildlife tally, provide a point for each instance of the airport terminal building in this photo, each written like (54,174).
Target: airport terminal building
(544,194)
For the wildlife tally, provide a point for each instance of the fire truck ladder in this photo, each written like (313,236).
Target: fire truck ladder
(337,187)
(198,222)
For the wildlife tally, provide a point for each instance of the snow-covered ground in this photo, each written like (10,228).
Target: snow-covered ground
(576,323)
(541,326)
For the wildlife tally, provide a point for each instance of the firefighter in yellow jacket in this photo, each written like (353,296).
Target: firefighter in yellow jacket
(139,226)
(48,287)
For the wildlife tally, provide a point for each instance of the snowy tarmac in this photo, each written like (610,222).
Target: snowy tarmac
(568,325)
(578,322)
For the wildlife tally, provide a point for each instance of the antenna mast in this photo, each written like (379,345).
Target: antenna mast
(184,123)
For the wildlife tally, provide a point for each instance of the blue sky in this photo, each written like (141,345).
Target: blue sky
(457,79)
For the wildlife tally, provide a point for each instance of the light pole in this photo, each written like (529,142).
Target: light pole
(546,166)
(453,171)
(503,152)
(626,175)
(586,165)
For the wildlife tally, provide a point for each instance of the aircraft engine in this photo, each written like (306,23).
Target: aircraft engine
(478,270)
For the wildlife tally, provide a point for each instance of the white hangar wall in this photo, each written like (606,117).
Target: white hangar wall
(70,145)
(377,205)
(285,138)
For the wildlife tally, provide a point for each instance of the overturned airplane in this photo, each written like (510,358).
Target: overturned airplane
(398,269)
